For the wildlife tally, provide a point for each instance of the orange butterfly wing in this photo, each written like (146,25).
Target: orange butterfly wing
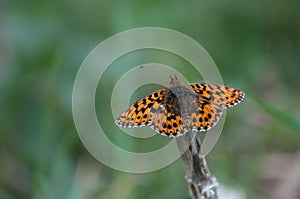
(218,94)
(205,117)
(168,123)
(141,112)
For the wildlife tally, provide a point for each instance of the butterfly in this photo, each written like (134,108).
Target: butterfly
(175,110)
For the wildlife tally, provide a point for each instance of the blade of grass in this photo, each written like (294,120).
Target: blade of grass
(283,116)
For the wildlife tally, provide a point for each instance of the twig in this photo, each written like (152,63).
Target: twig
(202,185)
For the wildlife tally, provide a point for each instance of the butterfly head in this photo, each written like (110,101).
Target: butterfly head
(174,81)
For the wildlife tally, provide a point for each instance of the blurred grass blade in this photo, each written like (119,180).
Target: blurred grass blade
(283,116)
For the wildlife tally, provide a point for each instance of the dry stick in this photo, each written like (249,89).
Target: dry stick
(202,185)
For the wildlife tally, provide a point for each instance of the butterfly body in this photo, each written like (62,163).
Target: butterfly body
(182,107)
(182,98)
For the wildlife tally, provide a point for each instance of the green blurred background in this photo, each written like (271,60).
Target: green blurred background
(255,44)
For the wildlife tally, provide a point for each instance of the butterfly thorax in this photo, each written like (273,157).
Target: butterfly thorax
(181,99)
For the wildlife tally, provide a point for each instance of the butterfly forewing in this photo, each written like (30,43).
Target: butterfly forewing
(219,95)
(141,112)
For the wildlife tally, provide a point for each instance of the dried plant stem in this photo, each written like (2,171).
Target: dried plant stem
(202,185)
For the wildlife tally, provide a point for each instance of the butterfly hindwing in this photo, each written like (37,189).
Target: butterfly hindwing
(208,115)
(168,123)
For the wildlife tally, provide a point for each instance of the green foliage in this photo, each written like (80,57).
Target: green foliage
(284,117)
